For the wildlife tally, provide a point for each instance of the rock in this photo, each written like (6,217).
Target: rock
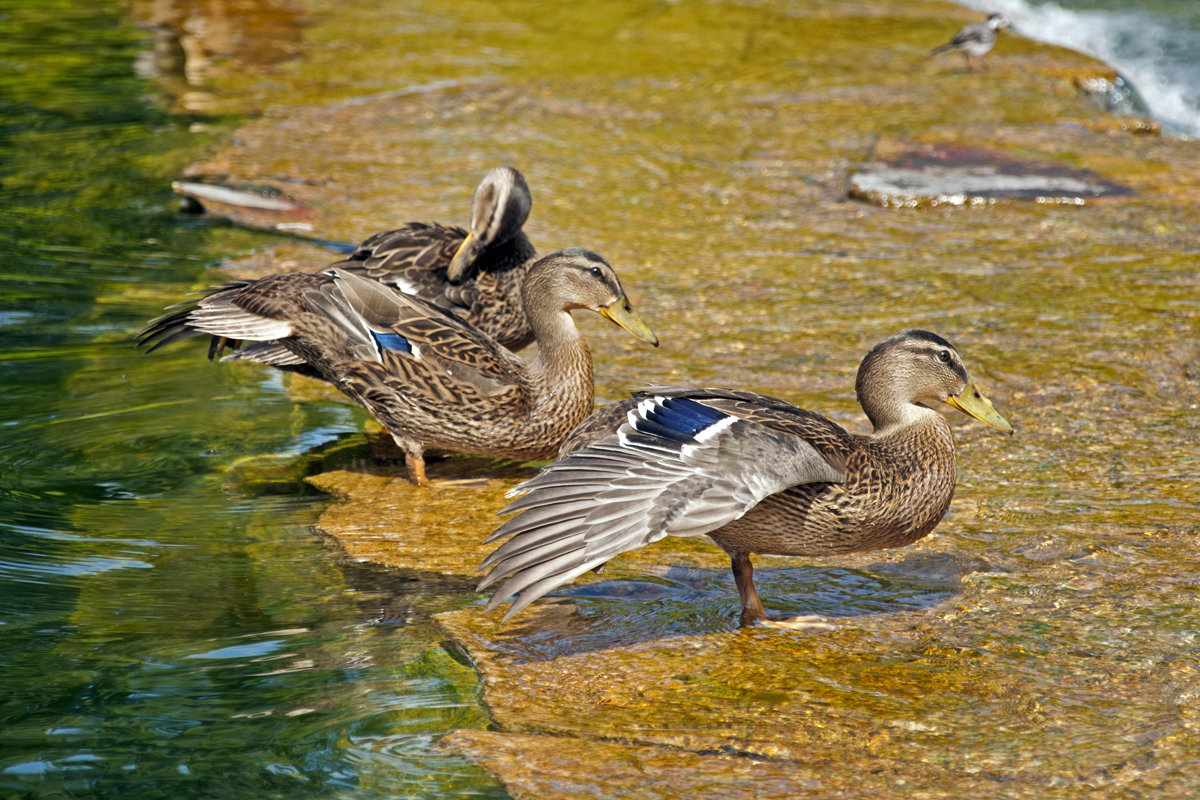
(263,207)
(919,174)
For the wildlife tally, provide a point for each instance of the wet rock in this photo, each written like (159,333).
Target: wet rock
(380,517)
(1191,370)
(263,207)
(1113,94)
(552,766)
(917,174)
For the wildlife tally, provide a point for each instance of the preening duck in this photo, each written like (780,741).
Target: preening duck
(474,274)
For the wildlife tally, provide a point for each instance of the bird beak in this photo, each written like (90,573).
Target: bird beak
(971,402)
(621,314)
(464,258)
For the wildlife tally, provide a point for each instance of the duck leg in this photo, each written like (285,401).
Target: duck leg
(416,469)
(414,459)
(743,575)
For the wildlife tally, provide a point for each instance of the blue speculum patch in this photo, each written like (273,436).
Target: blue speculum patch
(392,341)
(679,418)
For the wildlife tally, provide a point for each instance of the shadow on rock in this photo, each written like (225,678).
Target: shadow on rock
(685,601)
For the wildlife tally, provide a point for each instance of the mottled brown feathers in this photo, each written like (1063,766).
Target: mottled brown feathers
(754,474)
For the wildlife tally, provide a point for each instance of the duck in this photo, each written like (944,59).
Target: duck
(754,474)
(976,39)
(475,274)
(431,379)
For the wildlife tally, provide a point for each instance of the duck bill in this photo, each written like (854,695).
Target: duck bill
(464,259)
(621,314)
(971,402)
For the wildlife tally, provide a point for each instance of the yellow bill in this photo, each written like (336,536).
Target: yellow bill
(620,313)
(971,402)
(464,258)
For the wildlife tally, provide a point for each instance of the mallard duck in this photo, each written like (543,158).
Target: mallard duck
(754,474)
(431,379)
(976,39)
(475,275)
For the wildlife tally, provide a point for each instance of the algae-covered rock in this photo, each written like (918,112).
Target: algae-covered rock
(553,766)
(1041,643)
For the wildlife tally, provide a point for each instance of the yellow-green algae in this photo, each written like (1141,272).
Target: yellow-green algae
(705,148)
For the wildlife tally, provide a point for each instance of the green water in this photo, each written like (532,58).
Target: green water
(170,629)
(164,633)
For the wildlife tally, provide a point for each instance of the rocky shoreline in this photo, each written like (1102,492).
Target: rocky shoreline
(712,153)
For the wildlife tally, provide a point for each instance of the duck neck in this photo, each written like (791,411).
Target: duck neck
(888,408)
(921,451)
(563,365)
(893,417)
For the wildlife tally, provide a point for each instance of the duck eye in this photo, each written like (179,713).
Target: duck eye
(944,356)
(595,272)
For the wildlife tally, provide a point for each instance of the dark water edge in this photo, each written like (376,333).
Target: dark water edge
(163,631)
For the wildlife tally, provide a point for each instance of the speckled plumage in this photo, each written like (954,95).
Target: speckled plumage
(754,474)
(474,274)
(431,379)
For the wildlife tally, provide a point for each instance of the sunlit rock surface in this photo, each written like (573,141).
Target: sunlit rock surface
(900,175)
(1042,642)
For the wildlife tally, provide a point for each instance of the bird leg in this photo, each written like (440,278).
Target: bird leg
(414,459)
(743,575)
(416,469)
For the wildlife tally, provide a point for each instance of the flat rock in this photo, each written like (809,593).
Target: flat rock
(534,766)
(954,174)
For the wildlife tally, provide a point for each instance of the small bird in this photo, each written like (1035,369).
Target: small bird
(474,274)
(754,474)
(431,379)
(975,39)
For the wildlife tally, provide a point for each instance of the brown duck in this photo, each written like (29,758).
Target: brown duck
(430,378)
(474,274)
(754,474)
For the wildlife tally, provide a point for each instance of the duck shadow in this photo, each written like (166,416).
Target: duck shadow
(686,601)
(286,474)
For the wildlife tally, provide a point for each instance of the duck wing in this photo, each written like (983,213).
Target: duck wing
(253,310)
(682,462)
(411,259)
(437,353)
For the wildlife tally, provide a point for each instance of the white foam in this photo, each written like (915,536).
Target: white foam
(1153,52)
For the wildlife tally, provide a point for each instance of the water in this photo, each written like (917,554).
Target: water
(171,626)
(1152,44)
(163,631)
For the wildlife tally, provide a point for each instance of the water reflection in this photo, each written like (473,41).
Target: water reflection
(685,601)
(197,42)
(162,631)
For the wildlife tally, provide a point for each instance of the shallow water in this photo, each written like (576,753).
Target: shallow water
(172,624)
(161,634)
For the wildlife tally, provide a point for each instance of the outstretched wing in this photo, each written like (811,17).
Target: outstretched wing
(682,463)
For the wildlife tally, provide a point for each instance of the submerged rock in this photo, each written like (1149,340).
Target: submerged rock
(1113,94)
(554,766)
